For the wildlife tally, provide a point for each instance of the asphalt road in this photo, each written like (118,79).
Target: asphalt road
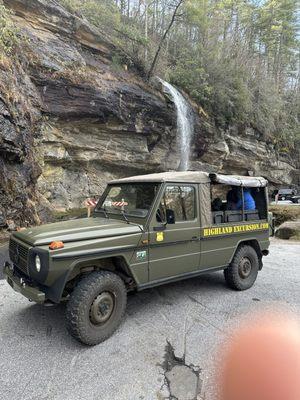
(40,361)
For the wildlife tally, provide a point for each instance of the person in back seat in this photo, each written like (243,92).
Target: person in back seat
(216,204)
(232,198)
(249,203)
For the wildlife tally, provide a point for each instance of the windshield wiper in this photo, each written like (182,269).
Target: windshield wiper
(124,215)
(103,208)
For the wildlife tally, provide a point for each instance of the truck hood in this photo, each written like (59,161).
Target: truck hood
(75,230)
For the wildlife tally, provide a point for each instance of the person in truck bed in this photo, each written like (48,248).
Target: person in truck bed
(232,199)
(249,203)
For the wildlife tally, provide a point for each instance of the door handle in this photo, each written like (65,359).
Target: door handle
(194,238)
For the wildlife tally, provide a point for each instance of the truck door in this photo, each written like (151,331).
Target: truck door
(174,233)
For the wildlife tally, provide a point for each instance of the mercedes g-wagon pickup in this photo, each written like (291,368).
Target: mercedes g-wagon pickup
(145,231)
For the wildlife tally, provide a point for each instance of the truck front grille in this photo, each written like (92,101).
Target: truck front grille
(18,254)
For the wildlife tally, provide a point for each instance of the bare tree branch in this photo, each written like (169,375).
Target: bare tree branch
(155,59)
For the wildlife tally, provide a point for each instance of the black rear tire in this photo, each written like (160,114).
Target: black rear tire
(96,307)
(242,272)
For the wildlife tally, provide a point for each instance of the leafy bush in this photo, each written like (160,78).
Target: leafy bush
(283,213)
(189,74)
(218,86)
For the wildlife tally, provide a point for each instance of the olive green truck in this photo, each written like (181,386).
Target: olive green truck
(145,231)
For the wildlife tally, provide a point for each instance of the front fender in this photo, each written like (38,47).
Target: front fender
(77,260)
(55,291)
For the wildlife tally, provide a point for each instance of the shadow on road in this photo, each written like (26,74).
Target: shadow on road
(172,293)
(48,323)
(45,324)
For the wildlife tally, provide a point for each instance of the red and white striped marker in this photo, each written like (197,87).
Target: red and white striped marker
(120,203)
(90,203)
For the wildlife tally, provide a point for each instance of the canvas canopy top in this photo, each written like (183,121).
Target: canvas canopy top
(196,177)
(202,177)
(235,180)
(172,176)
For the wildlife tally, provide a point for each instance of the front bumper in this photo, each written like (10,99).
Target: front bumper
(22,287)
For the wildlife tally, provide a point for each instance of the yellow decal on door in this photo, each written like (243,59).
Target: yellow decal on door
(225,230)
(159,236)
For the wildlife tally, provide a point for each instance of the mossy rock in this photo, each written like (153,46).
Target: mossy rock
(283,213)
(289,230)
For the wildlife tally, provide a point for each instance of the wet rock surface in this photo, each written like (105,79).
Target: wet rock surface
(82,121)
(18,168)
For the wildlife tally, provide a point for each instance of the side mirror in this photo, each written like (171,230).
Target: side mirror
(170,216)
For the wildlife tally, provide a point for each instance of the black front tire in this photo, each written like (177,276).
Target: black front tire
(96,307)
(242,272)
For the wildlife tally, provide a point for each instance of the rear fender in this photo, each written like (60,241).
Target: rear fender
(253,243)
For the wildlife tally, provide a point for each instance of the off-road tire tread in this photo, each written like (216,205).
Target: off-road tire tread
(75,325)
(231,273)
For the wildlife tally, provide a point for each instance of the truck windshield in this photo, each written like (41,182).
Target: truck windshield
(133,199)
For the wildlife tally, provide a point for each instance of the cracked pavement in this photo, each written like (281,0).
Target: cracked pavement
(167,345)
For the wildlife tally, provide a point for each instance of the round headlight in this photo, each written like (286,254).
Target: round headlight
(37,263)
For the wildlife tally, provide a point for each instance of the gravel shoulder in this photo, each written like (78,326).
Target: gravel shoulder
(181,323)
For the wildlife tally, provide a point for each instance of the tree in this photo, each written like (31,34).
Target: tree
(163,38)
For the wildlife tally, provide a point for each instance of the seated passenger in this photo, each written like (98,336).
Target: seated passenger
(216,204)
(232,198)
(249,203)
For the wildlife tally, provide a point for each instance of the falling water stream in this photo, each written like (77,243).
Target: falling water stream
(185,124)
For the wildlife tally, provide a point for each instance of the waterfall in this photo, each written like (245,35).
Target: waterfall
(185,124)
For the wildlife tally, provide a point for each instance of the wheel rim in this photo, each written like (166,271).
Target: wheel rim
(102,308)
(245,267)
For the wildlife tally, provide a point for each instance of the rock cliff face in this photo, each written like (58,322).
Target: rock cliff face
(89,120)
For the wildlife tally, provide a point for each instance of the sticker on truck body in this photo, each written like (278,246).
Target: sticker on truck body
(159,236)
(227,230)
(141,255)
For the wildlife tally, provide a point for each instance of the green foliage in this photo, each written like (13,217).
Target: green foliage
(117,62)
(283,213)
(133,33)
(190,74)
(103,14)
(8,32)
(242,65)
(218,87)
